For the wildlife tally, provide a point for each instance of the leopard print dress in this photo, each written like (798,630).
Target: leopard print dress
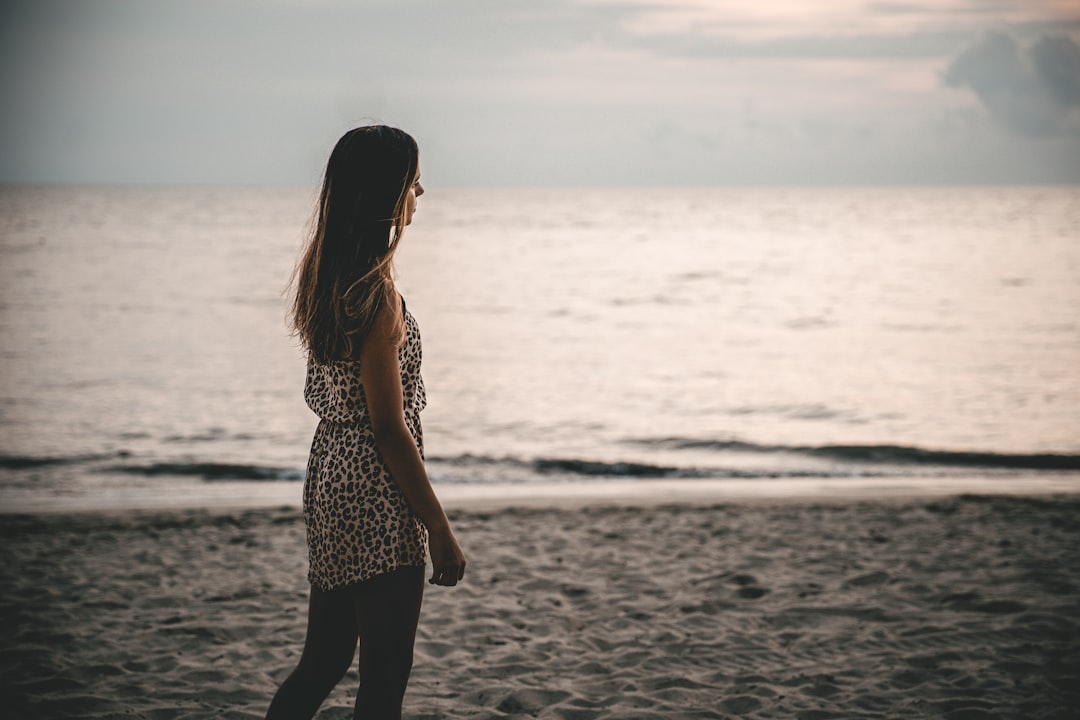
(359,524)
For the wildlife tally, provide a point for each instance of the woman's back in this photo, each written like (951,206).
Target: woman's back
(335,391)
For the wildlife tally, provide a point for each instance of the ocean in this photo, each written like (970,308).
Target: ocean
(774,338)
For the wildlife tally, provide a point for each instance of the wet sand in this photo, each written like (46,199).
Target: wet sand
(958,608)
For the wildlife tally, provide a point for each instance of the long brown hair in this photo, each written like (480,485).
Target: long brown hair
(345,274)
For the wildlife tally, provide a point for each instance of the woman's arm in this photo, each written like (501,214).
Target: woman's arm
(381,376)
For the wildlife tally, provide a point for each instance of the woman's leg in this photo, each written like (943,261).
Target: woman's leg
(328,652)
(387,610)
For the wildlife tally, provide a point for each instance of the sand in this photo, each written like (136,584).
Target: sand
(959,608)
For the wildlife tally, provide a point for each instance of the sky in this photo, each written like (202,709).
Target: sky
(544,92)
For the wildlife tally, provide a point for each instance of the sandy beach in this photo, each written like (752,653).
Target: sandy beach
(959,608)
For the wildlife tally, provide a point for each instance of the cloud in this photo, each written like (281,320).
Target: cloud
(1028,90)
(1057,63)
(915,45)
(911,30)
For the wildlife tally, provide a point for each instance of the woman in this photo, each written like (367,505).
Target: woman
(369,507)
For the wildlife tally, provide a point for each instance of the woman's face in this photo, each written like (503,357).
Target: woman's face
(415,191)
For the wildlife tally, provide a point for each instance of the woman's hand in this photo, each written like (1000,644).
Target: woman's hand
(447,559)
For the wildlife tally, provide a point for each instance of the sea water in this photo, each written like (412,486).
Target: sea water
(570,335)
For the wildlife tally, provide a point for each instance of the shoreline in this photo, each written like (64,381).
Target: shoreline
(239,496)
